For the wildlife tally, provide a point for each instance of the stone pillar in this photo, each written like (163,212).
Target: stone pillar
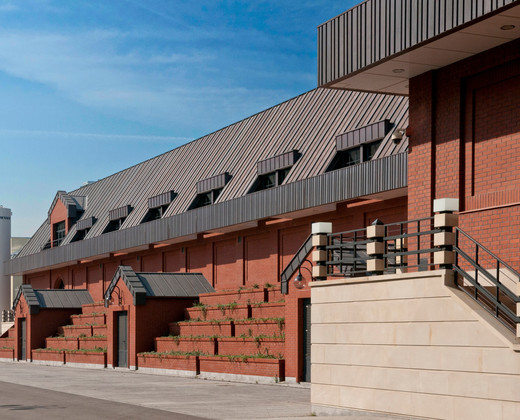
(445,220)
(376,248)
(319,255)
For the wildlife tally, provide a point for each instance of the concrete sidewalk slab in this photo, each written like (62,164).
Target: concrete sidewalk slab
(172,394)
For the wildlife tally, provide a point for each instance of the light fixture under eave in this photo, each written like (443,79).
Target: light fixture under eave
(397,71)
(507,27)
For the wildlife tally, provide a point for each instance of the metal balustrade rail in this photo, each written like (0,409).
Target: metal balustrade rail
(295,264)
(407,245)
(486,278)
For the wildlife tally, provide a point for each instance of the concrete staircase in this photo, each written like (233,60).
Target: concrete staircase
(226,334)
(84,341)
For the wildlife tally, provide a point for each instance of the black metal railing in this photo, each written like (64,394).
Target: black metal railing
(346,253)
(407,245)
(295,264)
(486,278)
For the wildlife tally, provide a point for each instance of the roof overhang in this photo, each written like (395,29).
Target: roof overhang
(413,38)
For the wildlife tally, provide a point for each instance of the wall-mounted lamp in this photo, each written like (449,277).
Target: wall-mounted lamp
(398,135)
(298,280)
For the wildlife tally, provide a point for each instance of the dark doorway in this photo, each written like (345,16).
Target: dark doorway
(122,339)
(22,340)
(306,340)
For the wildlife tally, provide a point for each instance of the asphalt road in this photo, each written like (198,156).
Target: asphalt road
(20,402)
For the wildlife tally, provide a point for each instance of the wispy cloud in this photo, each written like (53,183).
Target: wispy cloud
(94,136)
(90,68)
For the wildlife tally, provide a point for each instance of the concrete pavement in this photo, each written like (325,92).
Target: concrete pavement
(173,395)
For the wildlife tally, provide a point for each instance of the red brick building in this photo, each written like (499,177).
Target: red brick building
(417,102)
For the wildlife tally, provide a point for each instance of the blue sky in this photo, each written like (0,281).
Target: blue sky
(91,87)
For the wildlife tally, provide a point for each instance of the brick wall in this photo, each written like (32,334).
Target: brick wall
(464,143)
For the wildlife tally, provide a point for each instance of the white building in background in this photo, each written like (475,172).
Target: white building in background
(5,255)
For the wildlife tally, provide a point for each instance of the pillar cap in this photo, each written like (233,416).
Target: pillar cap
(445,204)
(321,227)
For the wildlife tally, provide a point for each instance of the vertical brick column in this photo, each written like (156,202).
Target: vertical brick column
(445,220)
(376,248)
(319,255)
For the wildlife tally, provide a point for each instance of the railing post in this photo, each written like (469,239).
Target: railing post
(319,255)
(445,220)
(376,248)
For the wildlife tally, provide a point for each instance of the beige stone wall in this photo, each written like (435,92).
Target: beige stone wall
(410,344)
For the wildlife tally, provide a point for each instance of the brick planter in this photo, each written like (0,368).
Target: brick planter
(7,342)
(92,358)
(168,344)
(238,346)
(256,367)
(242,297)
(274,294)
(93,307)
(88,319)
(214,313)
(68,343)
(255,327)
(76,330)
(268,310)
(89,343)
(224,328)
(168,361)
(7,354)
(99,330)
(49,355)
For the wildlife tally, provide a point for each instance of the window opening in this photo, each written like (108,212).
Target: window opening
(59,233)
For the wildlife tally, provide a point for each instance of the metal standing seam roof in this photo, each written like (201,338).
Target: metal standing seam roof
(52,298)
(143,285)
(308,123)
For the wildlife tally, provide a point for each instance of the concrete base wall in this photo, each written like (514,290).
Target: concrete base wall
(410,345)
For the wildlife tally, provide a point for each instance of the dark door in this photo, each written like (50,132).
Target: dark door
(122,339)
(23,340)
(306,340)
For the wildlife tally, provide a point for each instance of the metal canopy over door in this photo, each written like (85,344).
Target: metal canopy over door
(306,340)
(122,339)
(22,337)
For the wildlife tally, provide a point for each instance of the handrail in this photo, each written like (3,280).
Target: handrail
(493,302)
(295,262)
(502,262)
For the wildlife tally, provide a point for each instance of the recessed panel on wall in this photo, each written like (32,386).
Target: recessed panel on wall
(95,282)
(261,258)
(200,259)
(175,261)
(151,263)
(227,267)
(291,240)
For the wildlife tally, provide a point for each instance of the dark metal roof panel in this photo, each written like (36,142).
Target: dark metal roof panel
(175,284)
(213,183)
(161,199)
(364,134)
(64,299)
(375,30)
(285,160)
(119,213)
(86,223)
